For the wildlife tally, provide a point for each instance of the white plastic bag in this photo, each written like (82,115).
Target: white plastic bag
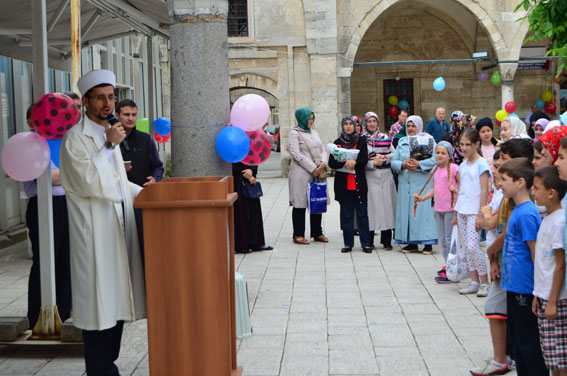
(457,264)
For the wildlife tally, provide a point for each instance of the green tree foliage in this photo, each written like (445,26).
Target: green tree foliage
(548,19)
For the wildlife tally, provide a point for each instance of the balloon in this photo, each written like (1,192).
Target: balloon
(501,115)
(250,112)
(232,144)
(53,115)
(393,111)
(393,100)
(161,139)
(439,84)
(514,115)
(259,148)
(162,126)
(510,107)
(498,122)
(563,118)
(540,103)
(143,125)
(496,78)
(54,148)
(550,107)
(25,156)
(547,96)
(403,104)
(483,76)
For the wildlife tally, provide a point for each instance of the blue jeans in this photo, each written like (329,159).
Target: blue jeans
(348,206)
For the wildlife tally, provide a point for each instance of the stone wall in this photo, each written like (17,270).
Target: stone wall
(307,50)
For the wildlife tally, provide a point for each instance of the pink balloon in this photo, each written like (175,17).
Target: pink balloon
(259,148)
(53,115)
(25,156)
(250,112)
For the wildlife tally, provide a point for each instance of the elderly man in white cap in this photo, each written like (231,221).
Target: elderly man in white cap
(106,269)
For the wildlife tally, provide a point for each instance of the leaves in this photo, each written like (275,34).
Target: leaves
(547,20)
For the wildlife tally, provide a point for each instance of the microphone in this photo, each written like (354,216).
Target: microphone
(113,120)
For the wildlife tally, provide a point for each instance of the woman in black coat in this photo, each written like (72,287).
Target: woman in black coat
(351,190)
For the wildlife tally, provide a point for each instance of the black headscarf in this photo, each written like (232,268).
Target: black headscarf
(348,141)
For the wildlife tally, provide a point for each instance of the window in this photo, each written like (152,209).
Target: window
(237,18)
(403,89)
(7,97)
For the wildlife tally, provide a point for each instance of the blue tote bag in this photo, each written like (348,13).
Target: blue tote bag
(317,193)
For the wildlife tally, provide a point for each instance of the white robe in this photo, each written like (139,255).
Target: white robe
(106,267)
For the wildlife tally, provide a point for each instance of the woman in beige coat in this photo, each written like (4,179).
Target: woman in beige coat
(308,160)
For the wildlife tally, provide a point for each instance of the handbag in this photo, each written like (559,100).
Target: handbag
(251,191)
(327,171)
(457,265)
(317,194)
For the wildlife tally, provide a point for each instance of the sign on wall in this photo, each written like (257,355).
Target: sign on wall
(532,51)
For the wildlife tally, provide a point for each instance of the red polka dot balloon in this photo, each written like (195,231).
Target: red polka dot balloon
(510,107)
(53,115)
(259,148)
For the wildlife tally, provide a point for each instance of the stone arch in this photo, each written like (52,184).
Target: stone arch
(518,41)
(373,14)
(256,81)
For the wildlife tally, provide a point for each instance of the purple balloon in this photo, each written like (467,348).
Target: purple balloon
(250,112)
(25,156)
(483,76)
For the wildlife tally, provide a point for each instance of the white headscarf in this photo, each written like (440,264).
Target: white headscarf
(418,122)
(552,124)
(517,127)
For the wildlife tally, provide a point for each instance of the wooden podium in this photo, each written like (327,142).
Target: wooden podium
(189,259)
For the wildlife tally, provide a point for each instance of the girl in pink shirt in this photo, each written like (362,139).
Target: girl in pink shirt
(444,193)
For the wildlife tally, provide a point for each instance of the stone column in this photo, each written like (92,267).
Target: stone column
(507,71)
(200,103)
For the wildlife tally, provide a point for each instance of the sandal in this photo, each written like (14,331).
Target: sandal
(321,238)
(346,249)
(300,240)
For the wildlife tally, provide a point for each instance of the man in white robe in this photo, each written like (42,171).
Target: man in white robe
(106,269)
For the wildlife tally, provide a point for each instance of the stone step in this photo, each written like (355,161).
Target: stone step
(70,333)
(12,327)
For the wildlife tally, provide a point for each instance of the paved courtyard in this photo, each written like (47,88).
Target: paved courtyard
(315,311)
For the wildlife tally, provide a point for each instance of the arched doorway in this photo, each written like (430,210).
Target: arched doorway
(409,31)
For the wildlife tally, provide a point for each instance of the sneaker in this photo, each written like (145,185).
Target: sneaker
(483,291)
(428,249)
(492,369)
(442,270)
(470,289)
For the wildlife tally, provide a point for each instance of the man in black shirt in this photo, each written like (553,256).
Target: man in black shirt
(140,155)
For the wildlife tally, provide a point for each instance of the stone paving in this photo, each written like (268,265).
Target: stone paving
(315,311)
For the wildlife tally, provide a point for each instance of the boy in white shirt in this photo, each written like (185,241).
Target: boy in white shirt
(550,296)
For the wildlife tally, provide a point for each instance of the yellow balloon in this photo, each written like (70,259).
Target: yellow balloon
(393,100)
(501,115)
(547,96)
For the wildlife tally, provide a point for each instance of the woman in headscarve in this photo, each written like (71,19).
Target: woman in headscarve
(381,187)
(539,127)
(512,127)
(351,189)
(487,141)
(308,160)
(533,120)
(413,175)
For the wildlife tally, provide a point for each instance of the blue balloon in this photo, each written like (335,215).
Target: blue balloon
(540,103)
(55,147)
(233,144)
(403,104)
(162,126)
(439,84)
(514,115)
